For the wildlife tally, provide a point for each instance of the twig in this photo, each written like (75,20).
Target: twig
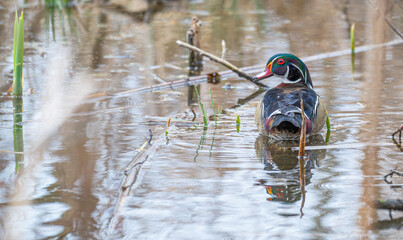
(393,171)
(139,152)
(221,61)
(398,143)
(398,131)
(302,138)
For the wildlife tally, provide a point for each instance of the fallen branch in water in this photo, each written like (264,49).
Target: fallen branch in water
(390,204)
(132,175)
(220,61)
(251,69)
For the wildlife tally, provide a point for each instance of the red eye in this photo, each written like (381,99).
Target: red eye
(280,61)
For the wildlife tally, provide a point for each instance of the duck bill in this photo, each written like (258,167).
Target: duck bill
(267,73)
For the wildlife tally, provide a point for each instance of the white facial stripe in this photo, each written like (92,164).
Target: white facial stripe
(285,80)
(288,71)
(275,59)
(299,70)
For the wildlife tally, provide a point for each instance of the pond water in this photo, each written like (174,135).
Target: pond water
(62,159)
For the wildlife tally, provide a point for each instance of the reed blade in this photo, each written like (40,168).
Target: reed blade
(202,108)
(238,123)
(352,41)
(18,54)
(327,122)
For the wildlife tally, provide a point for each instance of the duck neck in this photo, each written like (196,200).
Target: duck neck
(296,75)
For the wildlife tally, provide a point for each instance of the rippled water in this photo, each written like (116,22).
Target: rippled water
(80,127)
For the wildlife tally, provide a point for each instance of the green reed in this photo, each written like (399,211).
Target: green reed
(352,41)
(327,121)
(328,128)
(18,54)
(56,3)
(202,108)
(238,123)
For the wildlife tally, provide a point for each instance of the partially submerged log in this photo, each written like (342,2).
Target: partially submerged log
(390,204)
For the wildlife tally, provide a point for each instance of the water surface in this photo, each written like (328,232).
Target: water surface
(80,130)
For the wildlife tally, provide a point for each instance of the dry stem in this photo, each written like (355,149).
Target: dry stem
(220,61)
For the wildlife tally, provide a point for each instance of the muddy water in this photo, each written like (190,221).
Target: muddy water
(79,130)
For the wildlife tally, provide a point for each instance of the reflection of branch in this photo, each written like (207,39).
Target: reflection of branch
(302,181)
(385,178)
(302,138)
(301,154)
(132,174)
(243,101)
(398,143)
(388,224)
(220,61)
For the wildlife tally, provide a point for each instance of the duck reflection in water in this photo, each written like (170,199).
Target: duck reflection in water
(281,165)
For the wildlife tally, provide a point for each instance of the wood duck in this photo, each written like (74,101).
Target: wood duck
(278,114)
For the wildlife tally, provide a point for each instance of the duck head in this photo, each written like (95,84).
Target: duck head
(288,67)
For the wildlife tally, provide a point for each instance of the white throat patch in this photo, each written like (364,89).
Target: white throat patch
(285,77)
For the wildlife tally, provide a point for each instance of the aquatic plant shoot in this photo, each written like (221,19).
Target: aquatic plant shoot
(352,41)
(205,121)
(18,54)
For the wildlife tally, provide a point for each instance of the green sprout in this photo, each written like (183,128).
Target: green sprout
(18,54)
(202,108)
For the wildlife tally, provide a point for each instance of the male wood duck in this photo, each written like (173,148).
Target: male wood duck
(278,114)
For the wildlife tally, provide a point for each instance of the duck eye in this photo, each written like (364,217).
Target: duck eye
(280,61)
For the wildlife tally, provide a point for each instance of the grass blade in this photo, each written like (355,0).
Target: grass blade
(352,41)
(202,108)
(238,123)
(327,121)
(18,54)
(328,128)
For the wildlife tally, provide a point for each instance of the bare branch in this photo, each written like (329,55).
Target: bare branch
(220,61)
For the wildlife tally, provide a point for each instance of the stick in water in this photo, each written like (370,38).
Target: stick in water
(302,138)
(221,61)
